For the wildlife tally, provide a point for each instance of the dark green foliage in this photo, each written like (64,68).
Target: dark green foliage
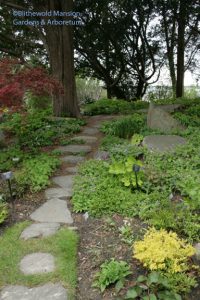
(6,158)
(38,129)
(111,106)
(35,172)
(152,287)
(109,141)
(124,127)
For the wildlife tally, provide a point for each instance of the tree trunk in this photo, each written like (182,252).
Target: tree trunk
(181,50)
(60,48)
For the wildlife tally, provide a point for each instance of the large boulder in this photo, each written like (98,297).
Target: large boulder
(163,143)
(161,120)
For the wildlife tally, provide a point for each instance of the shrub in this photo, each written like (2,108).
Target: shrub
(108,107)
(124,127)
(16,79)
(111,272)
(164,251)
(37,129)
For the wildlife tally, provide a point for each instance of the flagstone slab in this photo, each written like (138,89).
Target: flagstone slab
(56,193)
(90,131)
(48,291)
(40,230)
(37,263)
(163,143)
(72,170)
(73,159)
(65,182)
(87,139)
(74,149)
(53,211)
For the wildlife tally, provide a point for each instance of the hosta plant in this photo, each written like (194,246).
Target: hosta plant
(112,272)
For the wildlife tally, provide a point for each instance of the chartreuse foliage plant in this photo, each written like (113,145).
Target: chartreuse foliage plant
(154,286)
(3,212)
(111,272)
(125,173)
(163,251)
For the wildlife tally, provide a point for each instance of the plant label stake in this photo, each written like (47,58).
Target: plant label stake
(136,169)
(7,176)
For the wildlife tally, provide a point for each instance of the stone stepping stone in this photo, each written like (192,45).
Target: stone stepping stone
(37,263)
(72,159)
(65,182)
(56,193)
(72,170)
(40,230)
(48,291)
(87,139)
(163,143)
(90,131)
(74,149)
(53,211)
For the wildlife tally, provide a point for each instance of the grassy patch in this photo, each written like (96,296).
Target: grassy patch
(62,246)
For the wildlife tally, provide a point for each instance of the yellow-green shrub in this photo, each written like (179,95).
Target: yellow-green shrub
(164,251)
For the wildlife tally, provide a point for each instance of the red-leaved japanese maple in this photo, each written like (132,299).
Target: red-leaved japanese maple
(16,79)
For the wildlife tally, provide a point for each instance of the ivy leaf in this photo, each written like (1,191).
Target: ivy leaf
(119,285)
(131,294)
(141,278)
(153,277)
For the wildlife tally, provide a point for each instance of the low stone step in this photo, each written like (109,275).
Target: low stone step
(53,211)
(90,131)
(72,159)
(56,193)
(86,138)
(48,291)
(37,263)
(72,170)
(65,182)
(40,230)
(74,149)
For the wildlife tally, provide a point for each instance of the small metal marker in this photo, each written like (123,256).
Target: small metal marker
(136,169)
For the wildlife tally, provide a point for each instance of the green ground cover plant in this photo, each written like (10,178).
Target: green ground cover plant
(39,129)
(63,245)
(111,272)
(39,169)
(154,286)
(112,106)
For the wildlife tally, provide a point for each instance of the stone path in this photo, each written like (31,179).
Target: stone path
(50,216)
